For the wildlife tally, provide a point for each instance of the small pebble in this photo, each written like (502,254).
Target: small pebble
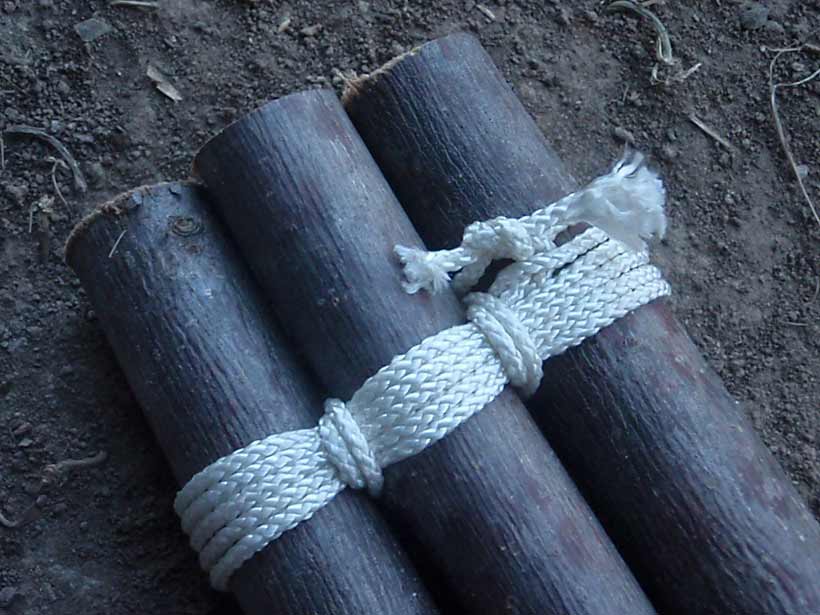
(21,429)
(725,159)
(25,443)
(17,191)
(669,153)
(95,173)
(753,15)
(310,30)
(774,28)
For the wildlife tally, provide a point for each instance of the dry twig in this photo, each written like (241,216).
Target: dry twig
(162,83)
(79,180)
(70,464)
(778,123)
(710,131)
(485,11)
(9,523)
(57,162)
(53,470)
(6,522)
(137,4)
(51,473)
(663,46)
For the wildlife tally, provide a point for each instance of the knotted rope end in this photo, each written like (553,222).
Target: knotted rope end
(421,270)
(627,204)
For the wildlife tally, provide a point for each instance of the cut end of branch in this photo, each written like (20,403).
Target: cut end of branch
(355,86)
(117,207)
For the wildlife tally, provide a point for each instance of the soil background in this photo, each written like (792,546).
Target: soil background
(742,249)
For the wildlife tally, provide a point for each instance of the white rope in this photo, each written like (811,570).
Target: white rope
(550,299)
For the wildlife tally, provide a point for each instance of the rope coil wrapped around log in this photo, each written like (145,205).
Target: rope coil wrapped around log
(551,298)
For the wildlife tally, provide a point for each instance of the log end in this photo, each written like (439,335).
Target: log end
(117,207)
(267,109)
(358,85)
(355,86)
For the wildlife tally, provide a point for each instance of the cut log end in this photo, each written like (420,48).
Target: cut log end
(284,102)
(118,207)
(357,86)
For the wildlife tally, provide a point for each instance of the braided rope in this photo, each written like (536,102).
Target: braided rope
(551,298)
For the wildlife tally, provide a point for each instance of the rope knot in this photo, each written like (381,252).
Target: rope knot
(347,448)
(510,339)
(500,238)
(626,203)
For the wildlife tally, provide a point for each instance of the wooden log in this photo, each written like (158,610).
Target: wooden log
(694,501)
(206,362)
(488,508)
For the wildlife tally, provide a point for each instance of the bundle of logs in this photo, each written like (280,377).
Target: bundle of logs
(630,483)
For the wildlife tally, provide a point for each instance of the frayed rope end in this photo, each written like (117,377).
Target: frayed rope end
(627,203)
(421,270)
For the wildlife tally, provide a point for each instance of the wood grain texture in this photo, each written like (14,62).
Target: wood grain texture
(489,510)
(694,501)
(204,358)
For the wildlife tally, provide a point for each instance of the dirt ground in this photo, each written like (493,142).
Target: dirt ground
(741,252)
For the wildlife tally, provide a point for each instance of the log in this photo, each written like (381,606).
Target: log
(488,509)
(212,373)
(693,500)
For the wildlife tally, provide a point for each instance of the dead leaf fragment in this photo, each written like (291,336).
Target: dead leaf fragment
(163,84)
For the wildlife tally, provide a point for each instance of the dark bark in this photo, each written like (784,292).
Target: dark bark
(694,501)
(205,361)
(488,509)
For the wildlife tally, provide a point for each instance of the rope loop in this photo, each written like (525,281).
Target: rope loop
(348,450)
(509,337)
